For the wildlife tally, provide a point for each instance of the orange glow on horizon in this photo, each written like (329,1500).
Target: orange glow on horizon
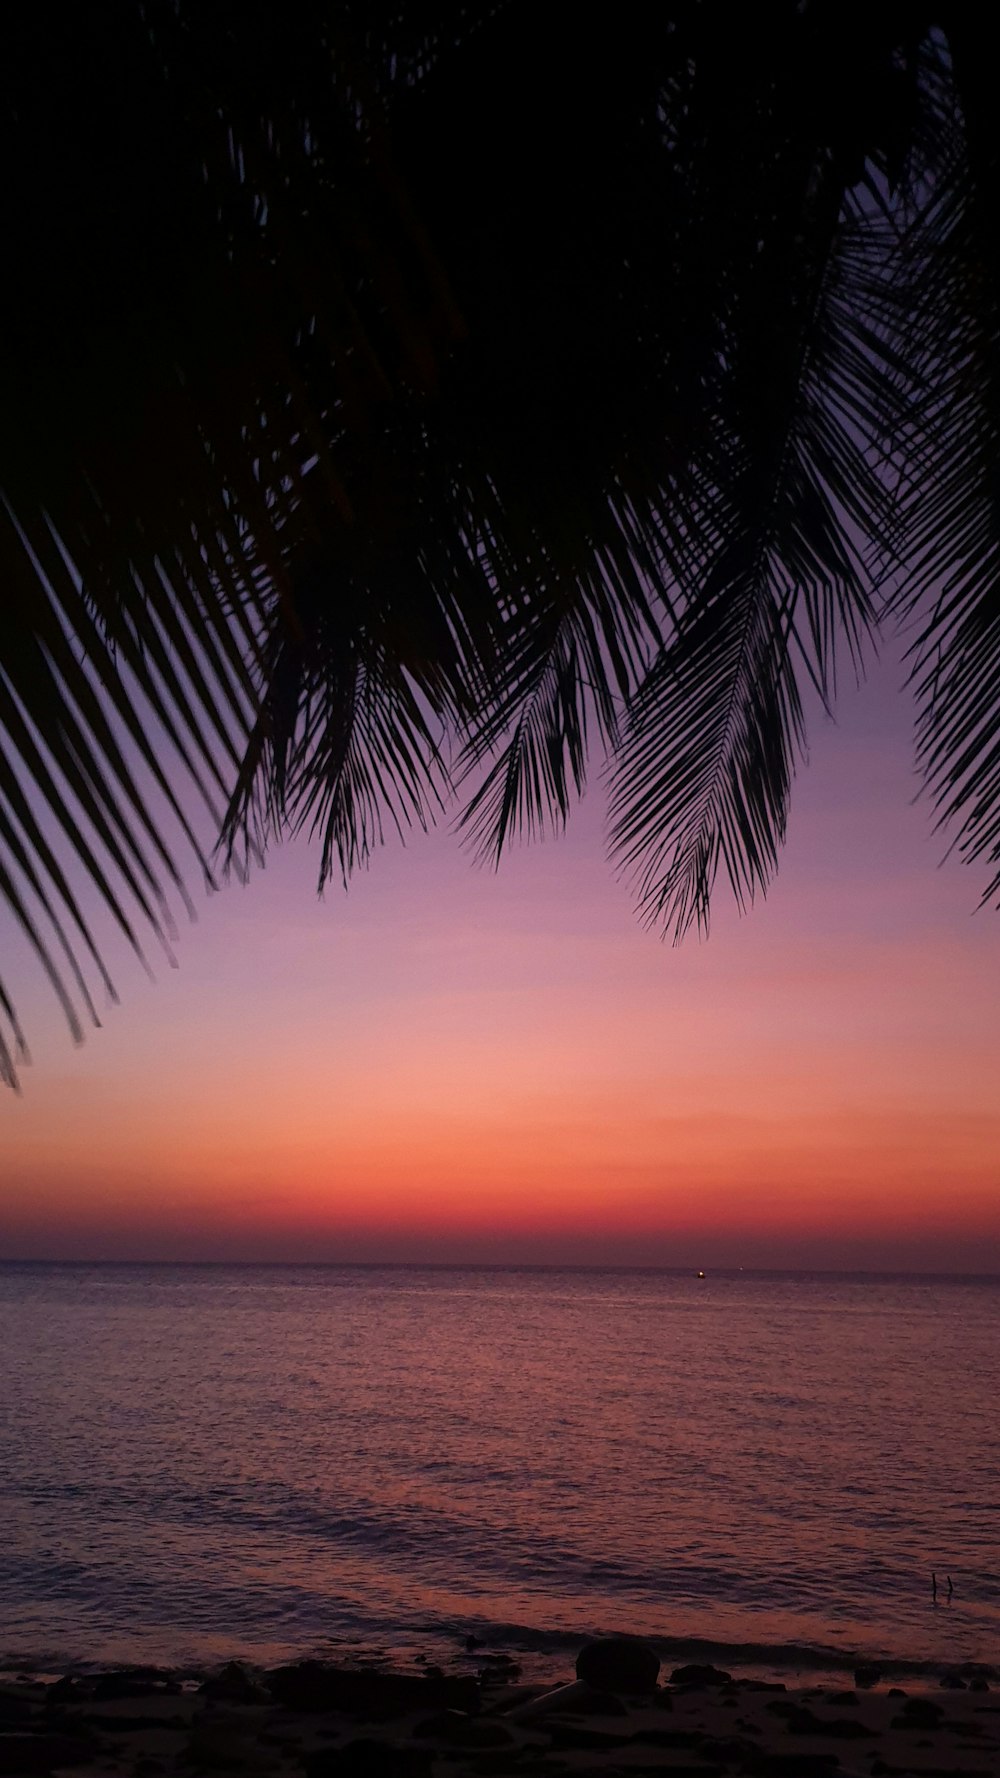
(446,1056)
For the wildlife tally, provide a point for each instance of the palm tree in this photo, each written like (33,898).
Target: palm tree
(418,399)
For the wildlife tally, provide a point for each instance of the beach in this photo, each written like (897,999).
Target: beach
(324,1720)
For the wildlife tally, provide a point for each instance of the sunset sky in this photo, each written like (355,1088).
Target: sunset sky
(449,1064)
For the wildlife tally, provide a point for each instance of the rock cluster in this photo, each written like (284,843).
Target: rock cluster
(316,1719)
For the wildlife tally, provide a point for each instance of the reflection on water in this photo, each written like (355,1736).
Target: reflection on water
(202,1460)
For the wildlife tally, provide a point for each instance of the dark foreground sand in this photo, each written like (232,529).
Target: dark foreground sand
(309,1721)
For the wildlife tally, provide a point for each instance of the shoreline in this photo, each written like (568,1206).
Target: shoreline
(354,1719)
(476,1647)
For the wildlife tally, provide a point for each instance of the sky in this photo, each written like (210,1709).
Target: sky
(449,1064)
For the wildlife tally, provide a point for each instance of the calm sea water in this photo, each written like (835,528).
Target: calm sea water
(204,1461)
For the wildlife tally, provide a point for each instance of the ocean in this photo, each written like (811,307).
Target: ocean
(199,1462)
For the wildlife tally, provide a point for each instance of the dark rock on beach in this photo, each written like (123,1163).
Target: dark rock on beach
(867,1675)
(919,1713)
(803,1721)
(233,1684)
(316,1686)
(698,1675)
(67,1690)
(131,1682)
(619,1664)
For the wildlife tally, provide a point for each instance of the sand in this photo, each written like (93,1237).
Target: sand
(143,1724)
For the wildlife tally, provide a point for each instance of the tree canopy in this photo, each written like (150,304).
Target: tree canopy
(405,405)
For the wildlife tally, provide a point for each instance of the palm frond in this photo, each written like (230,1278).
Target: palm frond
(210,292)
(573,655)
(950,499)
(786,545)
(348,741)
(393,386)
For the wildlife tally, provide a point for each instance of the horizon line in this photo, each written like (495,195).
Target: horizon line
(472,1265)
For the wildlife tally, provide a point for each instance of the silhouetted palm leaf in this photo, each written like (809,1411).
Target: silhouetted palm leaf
(950,498)
(392,387)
